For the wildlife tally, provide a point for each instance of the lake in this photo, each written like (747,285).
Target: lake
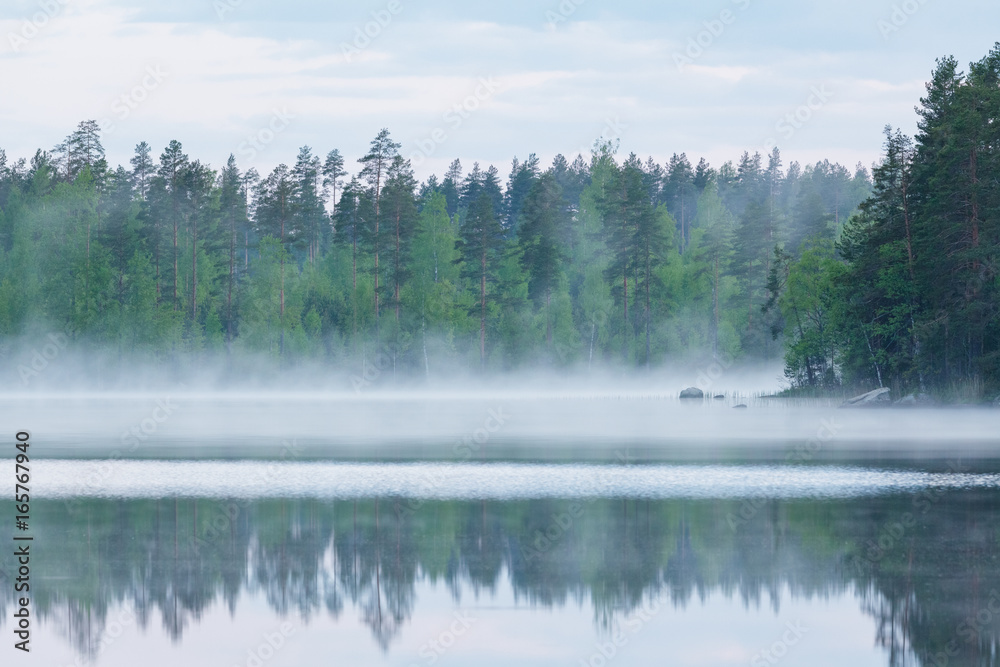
(499,529)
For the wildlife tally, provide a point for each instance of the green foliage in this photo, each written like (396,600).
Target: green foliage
(808,303)
(913,304)
(590,261)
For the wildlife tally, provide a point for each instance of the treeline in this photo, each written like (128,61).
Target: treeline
(888,280)
(601,260)
(907,297)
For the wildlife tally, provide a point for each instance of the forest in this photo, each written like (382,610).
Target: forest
(857,278)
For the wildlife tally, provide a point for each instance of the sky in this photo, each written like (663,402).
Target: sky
(481,82)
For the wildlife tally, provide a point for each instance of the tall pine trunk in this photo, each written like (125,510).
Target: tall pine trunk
(194,272)
(715,309)
(281,304)
(482,315)
(396,270)
(548,318)
(647,307)
(232,275)
(176,303)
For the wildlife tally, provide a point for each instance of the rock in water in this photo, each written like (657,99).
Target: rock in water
(740,406)
(720,397)
(692,392)
(878,397)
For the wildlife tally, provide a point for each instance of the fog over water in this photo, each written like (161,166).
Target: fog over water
(502,425)
(370,412)
(194,519)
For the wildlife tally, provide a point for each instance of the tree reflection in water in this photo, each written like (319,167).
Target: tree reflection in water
(926,584)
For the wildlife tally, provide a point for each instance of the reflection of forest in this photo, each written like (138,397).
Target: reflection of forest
(923,585)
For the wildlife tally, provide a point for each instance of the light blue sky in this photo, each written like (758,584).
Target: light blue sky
(226,66)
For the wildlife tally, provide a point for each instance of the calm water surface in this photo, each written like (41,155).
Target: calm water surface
(498,558)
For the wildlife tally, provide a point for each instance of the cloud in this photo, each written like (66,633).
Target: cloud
(560,85)
(731,74)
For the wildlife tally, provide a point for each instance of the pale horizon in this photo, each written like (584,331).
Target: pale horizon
(550,80)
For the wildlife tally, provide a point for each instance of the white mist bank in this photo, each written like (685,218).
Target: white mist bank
(462,425)
(53,364)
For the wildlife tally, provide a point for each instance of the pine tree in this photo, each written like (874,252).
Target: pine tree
(879,302)
(679,193)
(748,263)
(631,238)
(523,176)
(309,209)
(233,210)
(540,238)
(376,164)
(170,194)
(480,244)
(450,187)
(716,224)
(142,169)
(86,151)
(201,210)
(276,214)
(401,211)
(333,173)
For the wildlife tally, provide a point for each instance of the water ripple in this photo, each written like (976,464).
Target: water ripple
(463,481)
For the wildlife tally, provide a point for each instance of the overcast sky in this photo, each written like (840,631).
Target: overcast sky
(539,77)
